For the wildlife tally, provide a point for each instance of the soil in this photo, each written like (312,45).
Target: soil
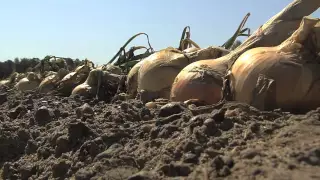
(53,137)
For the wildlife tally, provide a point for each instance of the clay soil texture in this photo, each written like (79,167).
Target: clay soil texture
(53,137)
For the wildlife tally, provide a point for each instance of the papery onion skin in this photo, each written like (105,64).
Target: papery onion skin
(192,49)
(132,80)
(286,76)
(28,83)
(89,87)
(296,85)
(72,79)
(68,77)
(132,77)
(95,79)
(46,85)
(51,79)
(200,80)
(189,84)
(154,76)
(158,72)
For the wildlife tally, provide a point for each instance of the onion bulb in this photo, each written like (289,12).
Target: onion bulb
(201,80)
(110,68)
(95,79)
(192,49)
(186,45)
(89,87)
(51,80)
(159,70)
(286,76)
(28,83)
(71,80)
(10,80)
(132,80)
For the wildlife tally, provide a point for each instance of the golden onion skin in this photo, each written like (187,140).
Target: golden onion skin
(113,69)
(89,87)
(132,77)
(83,90)
(201,80)
(5,82)
(68,76)
(158,72)
(46,85)
(194,82)
(110,68)
(10,80)
(71,80)
(192,49)
(285,76)
(28,83)
(289,82)
(51,80)
(132,80)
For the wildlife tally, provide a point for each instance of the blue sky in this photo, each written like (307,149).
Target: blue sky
(97,29)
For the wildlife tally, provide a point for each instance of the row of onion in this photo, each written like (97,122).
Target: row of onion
(271,69)
(286,76)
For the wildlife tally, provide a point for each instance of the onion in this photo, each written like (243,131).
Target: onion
(95,79)
(5,82)
(20,76)
(89,87)
(46,84)
(158,78)
(132,80)
(185,46)
(10,80)
(111,68)
(192,49)
(157,73)
(28,83)
(285,76)
(51,80)
(71,80)
(203,80)
(200,80)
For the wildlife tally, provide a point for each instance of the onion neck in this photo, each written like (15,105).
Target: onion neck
(297,40)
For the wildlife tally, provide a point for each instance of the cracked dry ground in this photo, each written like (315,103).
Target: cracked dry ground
(48,137)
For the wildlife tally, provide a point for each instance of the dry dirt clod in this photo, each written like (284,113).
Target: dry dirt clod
(17,112)
(218,115)
(170,109)
(43,115)
(27,171)
(60,168)
(84,110)
(3,98)
(190,158)
(78,130)
(145,114)
(31,147)
(173,170)
(62,145)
